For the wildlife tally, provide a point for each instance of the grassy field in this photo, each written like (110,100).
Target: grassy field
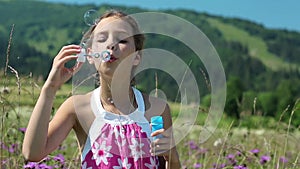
(235,144)
(257,47)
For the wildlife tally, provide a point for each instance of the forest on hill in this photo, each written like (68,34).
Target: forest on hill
(260,64)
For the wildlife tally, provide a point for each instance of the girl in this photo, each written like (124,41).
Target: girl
(112,122)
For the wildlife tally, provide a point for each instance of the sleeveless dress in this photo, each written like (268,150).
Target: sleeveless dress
(118,141)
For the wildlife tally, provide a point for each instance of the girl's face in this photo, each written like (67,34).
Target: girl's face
(116,36)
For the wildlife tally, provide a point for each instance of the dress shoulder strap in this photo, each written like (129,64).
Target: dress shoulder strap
(139,99)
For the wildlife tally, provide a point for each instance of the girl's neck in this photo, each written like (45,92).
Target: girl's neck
(118,95)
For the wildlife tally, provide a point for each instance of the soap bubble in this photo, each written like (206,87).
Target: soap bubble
(91,17)
(105,56)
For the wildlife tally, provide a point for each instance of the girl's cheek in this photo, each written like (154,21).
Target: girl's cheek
(97,63)
(98,47)
(127,49)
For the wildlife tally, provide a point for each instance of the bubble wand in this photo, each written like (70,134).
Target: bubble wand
(104,55)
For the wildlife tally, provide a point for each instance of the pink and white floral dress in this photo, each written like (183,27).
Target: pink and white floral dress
(118,141)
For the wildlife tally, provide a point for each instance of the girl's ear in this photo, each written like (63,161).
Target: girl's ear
(137,58)
(89,57)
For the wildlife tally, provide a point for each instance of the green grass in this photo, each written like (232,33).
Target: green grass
(231,136)
(257,47)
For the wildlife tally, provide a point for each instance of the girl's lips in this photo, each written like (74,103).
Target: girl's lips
(112,59)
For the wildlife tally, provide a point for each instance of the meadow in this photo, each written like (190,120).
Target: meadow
(252,142)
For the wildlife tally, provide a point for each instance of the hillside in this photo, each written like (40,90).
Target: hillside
(256,45)
(257,61)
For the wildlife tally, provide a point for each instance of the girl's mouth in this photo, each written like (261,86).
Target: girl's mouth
(112,59)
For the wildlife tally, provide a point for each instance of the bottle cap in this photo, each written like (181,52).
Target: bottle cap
(157,123)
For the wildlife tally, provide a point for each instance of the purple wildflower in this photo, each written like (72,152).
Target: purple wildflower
(240,167)
(193,145)
(46,159)
(238,153)
(3,146)
(215,166)
(197,165)
(60,158)
(22,129)
(233,162)
(264,159)
(282,159)
(45,166)
(222,165)
(13,148)
(231,159)
(56,166)
(3,162)
(30,165)
(255,151)
(230,156)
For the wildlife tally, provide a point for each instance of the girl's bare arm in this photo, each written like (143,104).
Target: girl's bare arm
(42,137)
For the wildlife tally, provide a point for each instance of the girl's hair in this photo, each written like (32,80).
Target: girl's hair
(137,35)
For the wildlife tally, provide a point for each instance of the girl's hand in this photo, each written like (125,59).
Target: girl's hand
(59,74)
(163,144)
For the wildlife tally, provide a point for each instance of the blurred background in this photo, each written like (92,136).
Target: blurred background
(258,43)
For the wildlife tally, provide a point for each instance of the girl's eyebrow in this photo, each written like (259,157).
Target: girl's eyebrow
(116,31)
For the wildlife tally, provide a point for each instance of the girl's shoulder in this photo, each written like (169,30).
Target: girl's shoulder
(80,101)
(75,105)
(77,100)
(83,113)
(83,98)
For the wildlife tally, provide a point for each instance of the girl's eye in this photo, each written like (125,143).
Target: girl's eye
(101,40)
(123,41)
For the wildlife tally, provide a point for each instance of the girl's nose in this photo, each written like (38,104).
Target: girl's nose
(111,46)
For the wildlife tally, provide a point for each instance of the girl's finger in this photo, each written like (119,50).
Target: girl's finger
(64,60)
(157,132)
(163,132)
(76,67)
(67,47)
(68,50)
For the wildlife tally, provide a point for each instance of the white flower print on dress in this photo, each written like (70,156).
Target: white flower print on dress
(152,163)
(120,143)
(136,149)
(101,152)
(123,164)
(117,131)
